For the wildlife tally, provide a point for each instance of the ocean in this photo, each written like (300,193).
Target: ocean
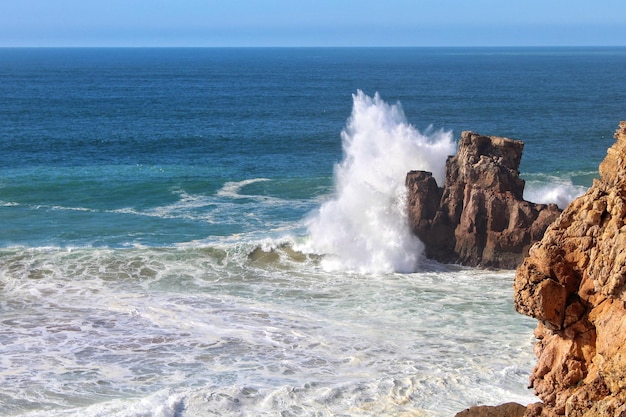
(222,231)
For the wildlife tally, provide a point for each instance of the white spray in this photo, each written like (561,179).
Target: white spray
(559,191)
(364,226)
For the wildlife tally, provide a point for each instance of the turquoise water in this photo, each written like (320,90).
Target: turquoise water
(221,231)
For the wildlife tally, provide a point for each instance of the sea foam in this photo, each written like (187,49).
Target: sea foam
(364,227)
(210,331)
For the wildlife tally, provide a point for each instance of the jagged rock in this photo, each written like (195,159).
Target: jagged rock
(479,217)
(574,283)
(504,410)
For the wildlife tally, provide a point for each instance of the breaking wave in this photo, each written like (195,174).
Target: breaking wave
(364,227)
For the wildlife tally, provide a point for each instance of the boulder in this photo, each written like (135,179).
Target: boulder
(504,410)
(574,283)
(479,216)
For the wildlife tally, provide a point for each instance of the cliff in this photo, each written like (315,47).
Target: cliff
(574,283)
(479,216)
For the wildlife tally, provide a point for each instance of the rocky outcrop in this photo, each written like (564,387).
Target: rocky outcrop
(504,410)
(479,217)
(574,283)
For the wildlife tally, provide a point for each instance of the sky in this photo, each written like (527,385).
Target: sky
(253,23)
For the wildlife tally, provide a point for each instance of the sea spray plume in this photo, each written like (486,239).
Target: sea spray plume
(364,226)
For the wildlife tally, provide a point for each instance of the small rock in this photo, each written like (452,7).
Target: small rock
(504,410)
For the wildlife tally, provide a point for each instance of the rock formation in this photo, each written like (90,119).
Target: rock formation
(574,283)
(479,217)
(504,410)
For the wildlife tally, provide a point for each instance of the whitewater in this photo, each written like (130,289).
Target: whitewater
(223,232)
(212,331)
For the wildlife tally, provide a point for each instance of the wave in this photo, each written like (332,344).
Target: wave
(549,189)
(255,326)
(232,188)
(188,206)
(203,259)
(45,206)
(364,227)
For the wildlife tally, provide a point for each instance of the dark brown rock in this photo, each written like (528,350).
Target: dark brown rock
(479,217)
(504,410)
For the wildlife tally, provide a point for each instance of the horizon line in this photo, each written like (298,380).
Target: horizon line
(296,46)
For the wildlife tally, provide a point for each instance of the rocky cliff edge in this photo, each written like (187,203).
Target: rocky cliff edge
(574,283)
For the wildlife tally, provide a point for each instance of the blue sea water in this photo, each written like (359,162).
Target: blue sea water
(221,231)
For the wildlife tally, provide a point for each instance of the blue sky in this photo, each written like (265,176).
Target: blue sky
(312,22)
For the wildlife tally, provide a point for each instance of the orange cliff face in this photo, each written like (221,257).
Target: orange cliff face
(574,282)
